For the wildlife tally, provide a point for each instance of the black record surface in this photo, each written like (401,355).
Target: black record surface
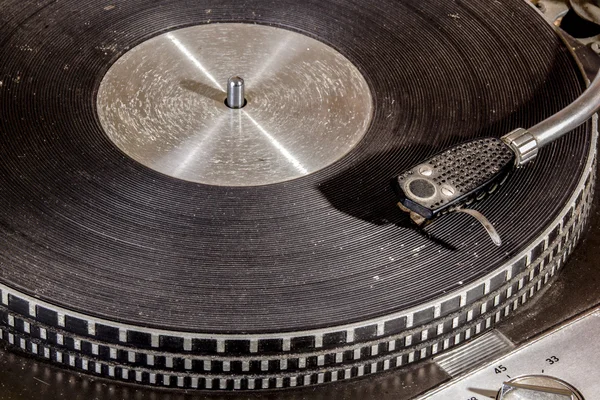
(85,227)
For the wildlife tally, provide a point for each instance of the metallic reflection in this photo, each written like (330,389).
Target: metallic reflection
(279,147)
(163,103)
(193,59)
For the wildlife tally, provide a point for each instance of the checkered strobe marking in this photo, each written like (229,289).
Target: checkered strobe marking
(194,361)
(307,376)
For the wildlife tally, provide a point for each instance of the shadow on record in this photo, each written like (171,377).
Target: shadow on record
(364,191)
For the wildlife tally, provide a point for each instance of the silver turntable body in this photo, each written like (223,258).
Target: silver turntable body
(546,364)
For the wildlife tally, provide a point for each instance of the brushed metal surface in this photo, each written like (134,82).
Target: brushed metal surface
(163,104)
(569,354)
(464,358)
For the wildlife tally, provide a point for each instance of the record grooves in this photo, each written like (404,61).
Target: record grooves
(107,264)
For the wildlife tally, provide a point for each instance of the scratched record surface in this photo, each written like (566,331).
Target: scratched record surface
(103,257)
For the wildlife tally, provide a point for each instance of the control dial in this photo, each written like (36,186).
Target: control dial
(537,387)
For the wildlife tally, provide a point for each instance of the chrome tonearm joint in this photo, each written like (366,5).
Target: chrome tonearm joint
(525,143)
(455,178)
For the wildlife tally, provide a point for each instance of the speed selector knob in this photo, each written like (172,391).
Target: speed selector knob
(537,387)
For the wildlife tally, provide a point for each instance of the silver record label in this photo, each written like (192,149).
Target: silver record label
(163,103)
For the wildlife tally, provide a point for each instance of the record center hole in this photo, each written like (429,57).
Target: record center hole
(245,102)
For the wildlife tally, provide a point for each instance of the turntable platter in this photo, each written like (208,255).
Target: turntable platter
(112,264)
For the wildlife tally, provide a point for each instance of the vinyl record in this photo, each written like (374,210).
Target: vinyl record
(107,248)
